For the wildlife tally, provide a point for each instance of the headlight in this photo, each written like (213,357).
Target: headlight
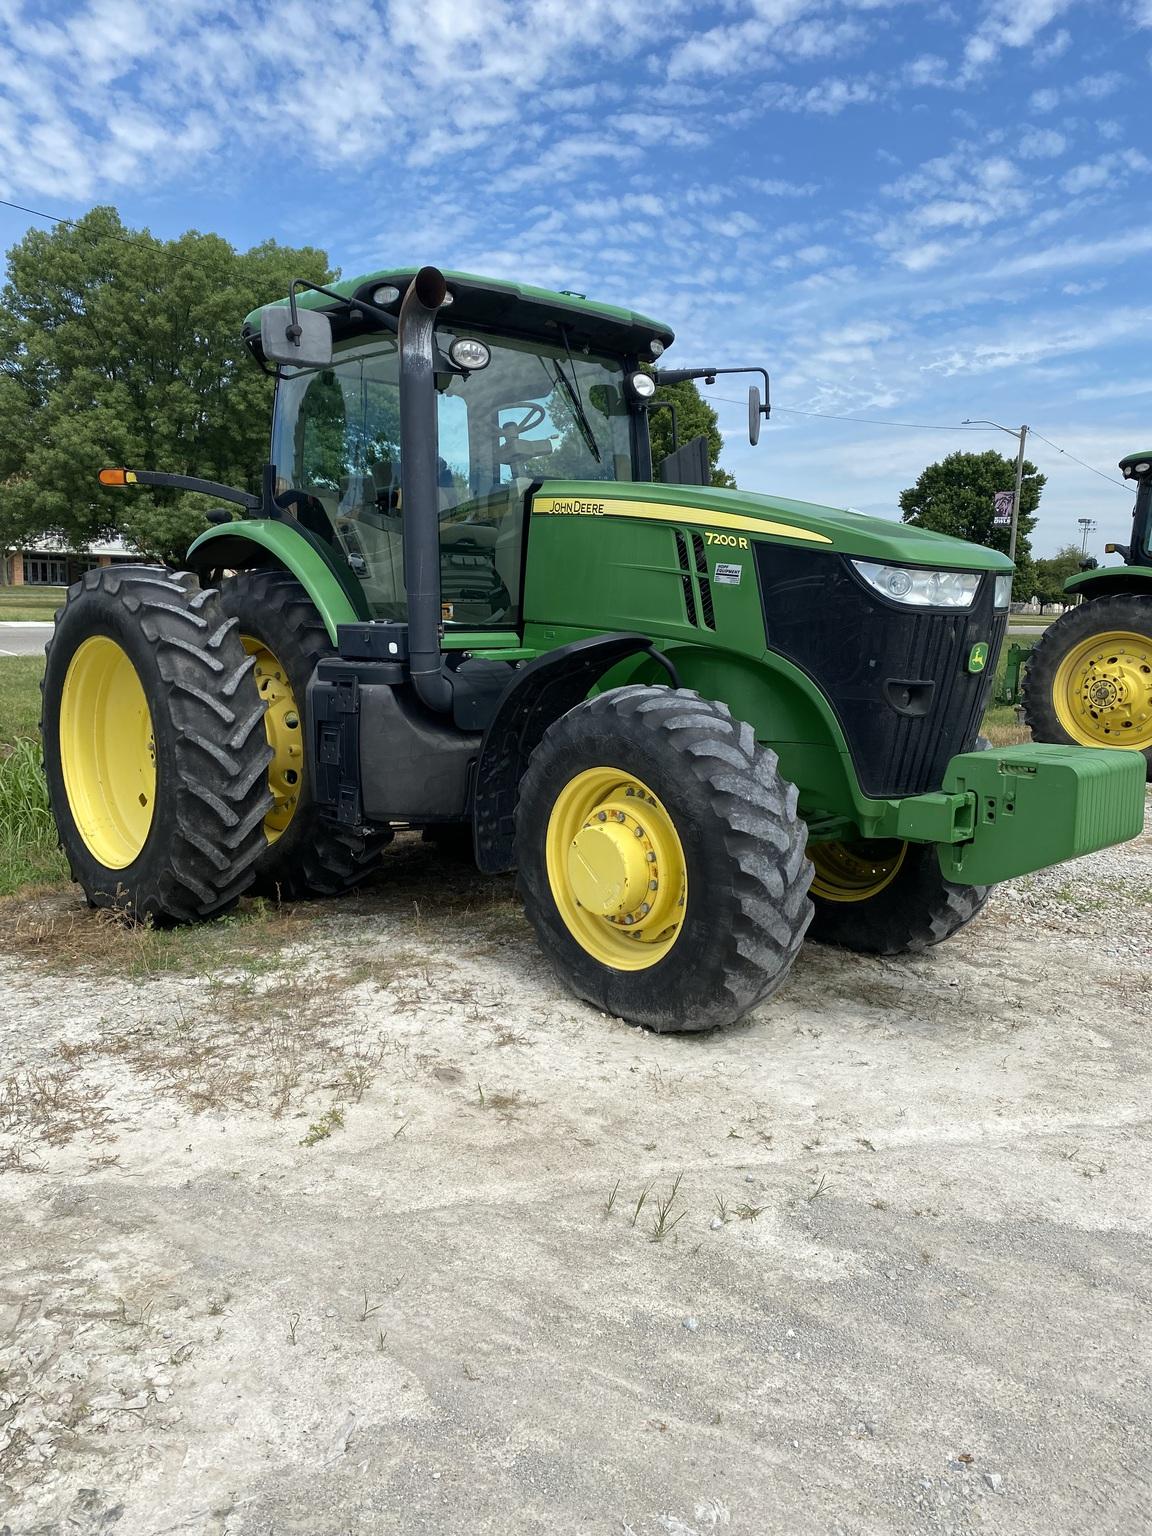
(643,385)
(921,589)
(1003,591)
(385,295)
(467,352)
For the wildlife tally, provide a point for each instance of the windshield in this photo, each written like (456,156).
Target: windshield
(534,412)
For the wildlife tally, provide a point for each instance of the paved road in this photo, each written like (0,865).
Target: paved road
(21,639)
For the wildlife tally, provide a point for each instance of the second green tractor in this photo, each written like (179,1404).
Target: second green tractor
(699,723)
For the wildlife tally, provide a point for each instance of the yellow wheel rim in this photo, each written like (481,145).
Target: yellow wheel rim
(1103,691)
(855,871)
(616,869)
(285,736)
(107,752)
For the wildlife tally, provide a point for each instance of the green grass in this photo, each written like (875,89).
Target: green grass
(28,852)
(19,698)
(30,603)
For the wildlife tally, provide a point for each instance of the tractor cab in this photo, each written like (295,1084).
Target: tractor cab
(528,386)
(1137,467)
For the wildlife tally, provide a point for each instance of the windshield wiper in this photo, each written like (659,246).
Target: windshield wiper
(575,400)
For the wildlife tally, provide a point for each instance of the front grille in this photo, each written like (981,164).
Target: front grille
(897,678)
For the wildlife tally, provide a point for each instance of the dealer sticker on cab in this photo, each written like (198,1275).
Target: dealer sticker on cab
(728,575)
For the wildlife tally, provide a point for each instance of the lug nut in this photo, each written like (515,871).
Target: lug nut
(639,830)
(601,815)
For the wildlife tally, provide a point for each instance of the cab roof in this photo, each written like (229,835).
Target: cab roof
(490,302)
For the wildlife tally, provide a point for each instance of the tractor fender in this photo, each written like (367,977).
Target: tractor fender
(537,696)
(323,574)
(1111,581)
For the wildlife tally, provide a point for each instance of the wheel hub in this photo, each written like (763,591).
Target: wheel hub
(282,727)
(108,752)
(617,868)
(1103,692)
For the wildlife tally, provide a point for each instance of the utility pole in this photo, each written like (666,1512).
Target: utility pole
(1022,434)
(1016,494)
(1088,525)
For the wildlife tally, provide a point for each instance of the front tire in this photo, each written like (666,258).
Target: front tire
(886,897)
(307,854)
(154,747)
(661,859)
(1088,681)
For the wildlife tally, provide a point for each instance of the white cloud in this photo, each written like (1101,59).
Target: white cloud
(1008,24)
(1108,171)
(1041,144)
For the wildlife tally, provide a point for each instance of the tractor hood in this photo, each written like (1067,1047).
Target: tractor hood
(769,517)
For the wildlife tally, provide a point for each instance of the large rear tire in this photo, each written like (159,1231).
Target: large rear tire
(154,747)
(661,859)
(1088,681)
(307,854)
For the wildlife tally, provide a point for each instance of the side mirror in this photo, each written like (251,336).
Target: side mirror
(755,411)
(303,340)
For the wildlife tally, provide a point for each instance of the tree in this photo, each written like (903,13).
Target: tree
(119,348)
(956,497)
(1051,574)
(694,417)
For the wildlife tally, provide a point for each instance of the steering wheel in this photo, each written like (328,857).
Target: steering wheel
(535,415)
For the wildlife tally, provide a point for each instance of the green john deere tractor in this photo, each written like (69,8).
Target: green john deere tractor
(697,722)
(1089,679)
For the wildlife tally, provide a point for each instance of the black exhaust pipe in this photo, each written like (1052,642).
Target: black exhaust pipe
(420,484)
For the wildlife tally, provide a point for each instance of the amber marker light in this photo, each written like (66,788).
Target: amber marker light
(117,477)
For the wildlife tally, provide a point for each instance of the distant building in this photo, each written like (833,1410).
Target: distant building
(46,563)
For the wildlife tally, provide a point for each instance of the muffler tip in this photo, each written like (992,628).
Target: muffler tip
(430,287)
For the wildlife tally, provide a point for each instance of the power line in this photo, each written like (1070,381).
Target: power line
(1110,478)
(872,421)
(56,218)
(868,421)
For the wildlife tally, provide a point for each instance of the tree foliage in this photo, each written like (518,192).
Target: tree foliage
(120,348)
(1050,575)
(956,496)
(694,417)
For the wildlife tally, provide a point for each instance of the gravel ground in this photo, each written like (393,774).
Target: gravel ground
(352,1221)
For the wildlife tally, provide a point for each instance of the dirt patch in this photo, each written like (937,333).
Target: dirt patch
(351,1219)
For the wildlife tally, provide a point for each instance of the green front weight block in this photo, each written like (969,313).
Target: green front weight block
(1037,805)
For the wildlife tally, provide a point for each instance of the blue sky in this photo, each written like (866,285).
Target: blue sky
(913,212)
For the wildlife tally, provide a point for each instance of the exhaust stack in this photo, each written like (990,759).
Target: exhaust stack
(419,479)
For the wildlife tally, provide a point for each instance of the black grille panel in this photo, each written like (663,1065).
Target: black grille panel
(706,608)
(686,579)
(897,677)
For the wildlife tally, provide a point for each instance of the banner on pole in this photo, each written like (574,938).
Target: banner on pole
(1002,501)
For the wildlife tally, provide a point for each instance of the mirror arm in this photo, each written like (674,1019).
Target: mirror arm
(389,322)
(710,375)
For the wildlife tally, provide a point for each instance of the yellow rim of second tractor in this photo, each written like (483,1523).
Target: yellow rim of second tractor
(107,752)
(1102,692)
(616,869)
(285,736)
(855,871)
